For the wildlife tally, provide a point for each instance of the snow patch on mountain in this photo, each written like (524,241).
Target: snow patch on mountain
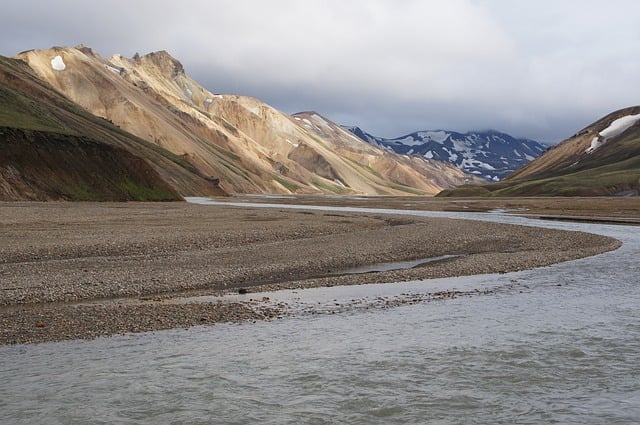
(321,121)
(595,144)
(616,128)
(114,69)
(58,64)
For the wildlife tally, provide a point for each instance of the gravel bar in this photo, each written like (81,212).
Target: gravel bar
(82,270)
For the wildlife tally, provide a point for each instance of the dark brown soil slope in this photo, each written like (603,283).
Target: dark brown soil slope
(47,166)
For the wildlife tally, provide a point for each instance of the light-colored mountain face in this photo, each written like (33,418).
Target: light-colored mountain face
(248,145)
(491,155)
(593,146)
(406,170)
(53,149)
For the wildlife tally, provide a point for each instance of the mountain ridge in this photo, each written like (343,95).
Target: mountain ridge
(602,159)
(472,151)
(245,144)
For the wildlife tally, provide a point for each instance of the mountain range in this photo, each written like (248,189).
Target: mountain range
(602,159)
(224,144)
(77,126)
(489,154)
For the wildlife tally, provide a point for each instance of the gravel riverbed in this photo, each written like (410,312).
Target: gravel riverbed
(81,270)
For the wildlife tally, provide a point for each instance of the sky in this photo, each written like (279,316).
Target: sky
(537,69)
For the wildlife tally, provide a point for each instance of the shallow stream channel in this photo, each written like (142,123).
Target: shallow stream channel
(558,344)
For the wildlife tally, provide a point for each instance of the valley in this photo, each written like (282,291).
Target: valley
(171,138)
(317,212)
(75,126)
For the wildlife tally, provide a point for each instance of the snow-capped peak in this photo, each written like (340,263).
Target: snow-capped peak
(489,154)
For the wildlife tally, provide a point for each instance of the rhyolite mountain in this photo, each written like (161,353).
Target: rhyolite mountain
(241,143)
(489,154)
(429,174)
(52,149)
(603,159)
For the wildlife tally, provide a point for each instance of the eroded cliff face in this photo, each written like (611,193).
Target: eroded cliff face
(246,144)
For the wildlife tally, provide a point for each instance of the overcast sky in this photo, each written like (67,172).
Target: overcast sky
(538,69)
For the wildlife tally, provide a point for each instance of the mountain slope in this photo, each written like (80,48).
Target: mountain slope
(50,149)
(401,172)
(491,155)
(601,159)
(245,144)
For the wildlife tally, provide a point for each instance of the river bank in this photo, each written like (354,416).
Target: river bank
(81,270)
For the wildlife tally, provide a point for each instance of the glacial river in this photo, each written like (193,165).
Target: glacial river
(558,344)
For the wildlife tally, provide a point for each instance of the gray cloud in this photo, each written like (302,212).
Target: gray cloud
(535,69)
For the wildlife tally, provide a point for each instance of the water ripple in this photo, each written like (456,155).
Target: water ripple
(548,354)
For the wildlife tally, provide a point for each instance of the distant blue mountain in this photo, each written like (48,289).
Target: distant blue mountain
(488,154)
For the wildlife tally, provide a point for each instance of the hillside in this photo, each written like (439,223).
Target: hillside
(401,171)
(51,149)
(491,155)
(601,159)
(246,145)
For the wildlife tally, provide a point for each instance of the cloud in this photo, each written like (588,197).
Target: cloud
(406,49)
(539,70)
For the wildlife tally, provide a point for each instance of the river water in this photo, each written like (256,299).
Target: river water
(559,344)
